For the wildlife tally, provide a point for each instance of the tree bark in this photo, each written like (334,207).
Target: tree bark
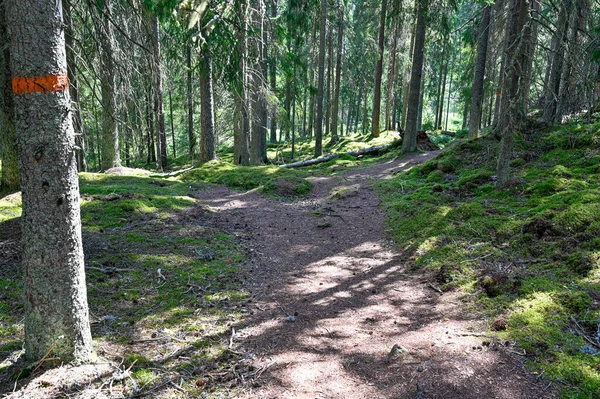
(108,83)
(553,83)
(375,128)
(391,77)
(510,117)
(477,91)
(11,177)
(242,129)
(207,127)
(531,42)
(74,88)
(338,77)
(190,99)
(273,70)
(57,320)
(161,134)
(258,88)
(409,142)
(321,82)
(329,79)
(407,73)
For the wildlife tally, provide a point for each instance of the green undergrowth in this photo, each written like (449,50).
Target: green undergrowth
(530,252)
(273,180)
(10,207)
(161,281)
(305,147)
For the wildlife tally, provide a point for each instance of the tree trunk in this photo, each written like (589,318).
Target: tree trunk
(259,87)
(242,129)
(409,143)
(449,95)
(161,134)
(562,106)
(477,91)
(553,83)
(207,128)
(375,129)
(263,112)
(108,82)
(407,77)
(531,42)
(56,310)
(510,117)
(338,78)
(273,70)
(150,127)
(440,92)
(11,177)
(391,77)
(128,134)
(329,79)
(190,99)
(172,123)
(321,83)
(74,87)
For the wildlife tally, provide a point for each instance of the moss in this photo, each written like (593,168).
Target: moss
(580,263)
(575,301)
(436,176)
(238,177)
(344,192)
(287,187)
(448,164)
(538,241)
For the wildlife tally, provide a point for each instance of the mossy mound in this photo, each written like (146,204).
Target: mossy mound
(287,187)
(239,177)
(531,251)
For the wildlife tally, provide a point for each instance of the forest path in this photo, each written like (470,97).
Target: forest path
(333,294)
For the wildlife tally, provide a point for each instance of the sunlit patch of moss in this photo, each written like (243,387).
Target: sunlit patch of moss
(227,295)
(10,207)
(238,177)
(144,376)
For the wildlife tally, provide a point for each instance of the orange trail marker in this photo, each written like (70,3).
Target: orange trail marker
(40,84)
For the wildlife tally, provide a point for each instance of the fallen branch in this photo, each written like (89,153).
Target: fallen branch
(435,288)
(108,270)
(581,332)
(365,151)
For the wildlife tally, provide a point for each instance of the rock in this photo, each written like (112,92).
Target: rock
(500,325)
(290,318)
(589,350)
(398,350)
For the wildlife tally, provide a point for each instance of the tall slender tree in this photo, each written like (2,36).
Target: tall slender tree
(338,76)
(375,128)
(510,117)
(477,91)
(321,81)
(409,142)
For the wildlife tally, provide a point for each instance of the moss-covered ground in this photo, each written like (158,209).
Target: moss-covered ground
(161,279)
(529,253)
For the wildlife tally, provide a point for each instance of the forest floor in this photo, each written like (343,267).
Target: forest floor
(325,304)
(335,295)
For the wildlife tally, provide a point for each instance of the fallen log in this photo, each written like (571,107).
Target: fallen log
(365,151)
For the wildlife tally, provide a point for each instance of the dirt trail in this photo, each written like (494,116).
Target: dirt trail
(333,295)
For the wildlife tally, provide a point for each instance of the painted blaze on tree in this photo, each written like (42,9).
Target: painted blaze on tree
(57,321)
